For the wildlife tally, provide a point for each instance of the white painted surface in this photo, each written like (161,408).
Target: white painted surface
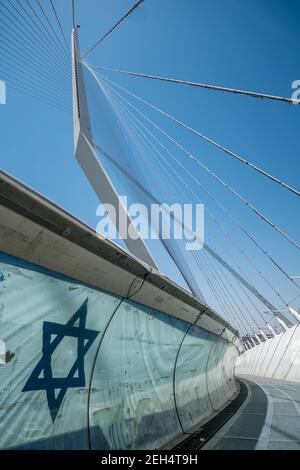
(264,437)
(278,357)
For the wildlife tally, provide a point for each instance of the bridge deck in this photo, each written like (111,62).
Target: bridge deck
(269,418)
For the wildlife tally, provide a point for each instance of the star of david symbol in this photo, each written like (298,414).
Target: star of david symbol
(42,375)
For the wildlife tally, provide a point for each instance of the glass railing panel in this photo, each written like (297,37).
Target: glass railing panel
(132,405)
(218,382)
(192,399)
(50,329)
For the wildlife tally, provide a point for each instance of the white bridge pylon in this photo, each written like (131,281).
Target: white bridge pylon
(86,156)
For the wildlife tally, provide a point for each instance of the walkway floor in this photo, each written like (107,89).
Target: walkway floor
(268,419)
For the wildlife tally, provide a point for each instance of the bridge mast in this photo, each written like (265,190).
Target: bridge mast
(91,165)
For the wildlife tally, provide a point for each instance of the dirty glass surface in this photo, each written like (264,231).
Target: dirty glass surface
(81,368)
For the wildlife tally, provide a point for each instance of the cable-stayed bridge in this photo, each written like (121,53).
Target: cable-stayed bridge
(101,350)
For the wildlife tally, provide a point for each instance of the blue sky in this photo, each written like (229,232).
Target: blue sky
(249,44)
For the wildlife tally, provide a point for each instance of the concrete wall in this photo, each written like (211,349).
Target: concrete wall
(279,357)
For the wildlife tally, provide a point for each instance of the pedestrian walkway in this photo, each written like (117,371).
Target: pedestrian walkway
(268,419)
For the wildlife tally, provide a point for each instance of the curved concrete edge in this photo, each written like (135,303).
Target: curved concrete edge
(200,437)
(40,232)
